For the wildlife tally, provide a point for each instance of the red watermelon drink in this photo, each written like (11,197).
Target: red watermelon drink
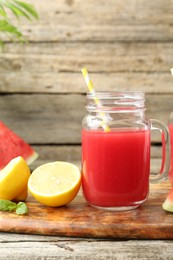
(116,167)
(116,150)
(171,144)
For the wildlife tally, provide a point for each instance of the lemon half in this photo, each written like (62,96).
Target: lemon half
(55,184)
(14,178)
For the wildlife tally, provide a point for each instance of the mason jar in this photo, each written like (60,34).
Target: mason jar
(116,150)
(170,127)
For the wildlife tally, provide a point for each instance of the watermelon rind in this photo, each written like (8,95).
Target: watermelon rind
(12,145)
(32,158)
(168,205)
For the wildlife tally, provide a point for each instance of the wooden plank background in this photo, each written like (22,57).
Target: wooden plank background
(125,44)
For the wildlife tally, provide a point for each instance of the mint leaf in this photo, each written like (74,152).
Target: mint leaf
(21,208)
(7,205)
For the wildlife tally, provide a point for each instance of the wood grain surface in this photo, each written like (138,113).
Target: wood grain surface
(123,20)
(57,119)
(54,82)
(34,247)
(104,57)
(126,45)
(78,219)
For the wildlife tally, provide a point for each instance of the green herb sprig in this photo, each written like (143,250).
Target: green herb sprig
(19,10)
(10,206)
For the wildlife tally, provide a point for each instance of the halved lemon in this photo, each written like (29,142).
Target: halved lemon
(23,195)
(55,184)
(13,178)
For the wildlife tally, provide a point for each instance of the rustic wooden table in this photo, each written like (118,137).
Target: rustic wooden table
(30,247)
(144,233)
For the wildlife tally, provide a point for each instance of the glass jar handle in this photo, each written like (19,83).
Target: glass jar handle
(159,125)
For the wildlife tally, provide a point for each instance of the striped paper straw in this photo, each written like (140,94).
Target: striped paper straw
(97,101)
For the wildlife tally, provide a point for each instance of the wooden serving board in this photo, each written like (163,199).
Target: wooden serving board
(78,219)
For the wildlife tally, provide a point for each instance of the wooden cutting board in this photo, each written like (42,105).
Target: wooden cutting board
(78,219)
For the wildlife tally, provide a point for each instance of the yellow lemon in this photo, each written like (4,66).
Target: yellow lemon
(55,184)
(23,195)
(13,178)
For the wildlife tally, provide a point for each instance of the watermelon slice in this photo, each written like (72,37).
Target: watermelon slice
(168,204)
(11,146)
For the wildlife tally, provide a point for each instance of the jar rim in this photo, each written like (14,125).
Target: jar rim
(116,101)
(117,95)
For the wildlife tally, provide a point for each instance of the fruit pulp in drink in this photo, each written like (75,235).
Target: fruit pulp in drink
(115,167)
